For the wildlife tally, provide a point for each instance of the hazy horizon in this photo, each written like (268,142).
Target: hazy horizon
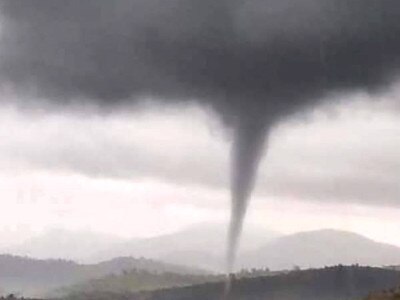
(321,172)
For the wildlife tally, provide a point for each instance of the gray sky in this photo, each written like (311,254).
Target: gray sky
(142,173)
(275,72)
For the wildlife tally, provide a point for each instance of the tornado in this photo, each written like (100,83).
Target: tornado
(255,63)
(247,150)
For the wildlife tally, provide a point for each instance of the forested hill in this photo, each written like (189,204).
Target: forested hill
(333,283)
(390,294)
(32,277)
(133,281)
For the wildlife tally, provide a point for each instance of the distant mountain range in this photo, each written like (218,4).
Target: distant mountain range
(186,252)
(203,246)
(31,277)
(321,248)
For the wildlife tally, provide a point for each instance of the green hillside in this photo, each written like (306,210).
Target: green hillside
(333,283)
(136,280)
(38,278)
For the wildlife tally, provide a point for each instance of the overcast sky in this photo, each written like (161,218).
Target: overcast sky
(155,170)
(81,149)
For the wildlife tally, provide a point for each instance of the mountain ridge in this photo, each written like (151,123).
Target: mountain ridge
(319,248)
(35,277)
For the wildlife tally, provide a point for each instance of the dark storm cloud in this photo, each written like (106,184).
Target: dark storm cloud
(241,56)
(253,61)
